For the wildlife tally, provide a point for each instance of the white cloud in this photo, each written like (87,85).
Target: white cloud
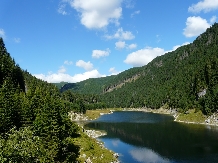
(17,40)
(120,44)
(146,55)
(177,46)
(135,13)
(132,46)
(2,33)
(96,14)
(121,35)
(61,9)
(195,26)
(143,56)
(147,155)
(62,69)
(213,19)
(68,62)
(59,77)
(86,65)
(100,53)
(113,71)
(129,3)
(205,5)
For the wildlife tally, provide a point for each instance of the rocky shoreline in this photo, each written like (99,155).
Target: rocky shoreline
(209,120)
(77,117)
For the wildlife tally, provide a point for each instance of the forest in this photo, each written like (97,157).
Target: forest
(183,79)
(34,123)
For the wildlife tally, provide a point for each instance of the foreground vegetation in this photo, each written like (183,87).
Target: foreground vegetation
(92,150)
(34,122)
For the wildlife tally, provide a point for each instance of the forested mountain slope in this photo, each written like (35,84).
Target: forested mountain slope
(34,122)
(185,78)
(101,85)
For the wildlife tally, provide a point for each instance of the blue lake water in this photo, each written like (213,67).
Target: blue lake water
(141,137)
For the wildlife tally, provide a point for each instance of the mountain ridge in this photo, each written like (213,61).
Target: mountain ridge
(175,78)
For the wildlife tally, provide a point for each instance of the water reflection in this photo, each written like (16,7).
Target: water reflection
(159,138)
(145,155)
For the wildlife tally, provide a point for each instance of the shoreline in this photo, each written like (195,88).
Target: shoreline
(209,120)
(92,137)
(81,119)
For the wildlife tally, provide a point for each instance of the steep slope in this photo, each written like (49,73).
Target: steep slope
(102,85)
(185,78)
(33,118)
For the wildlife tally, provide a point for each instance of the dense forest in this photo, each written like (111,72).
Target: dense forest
(184,79)
(34,123)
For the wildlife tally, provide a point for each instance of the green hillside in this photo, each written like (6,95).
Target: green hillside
(185,78)
(34,122)
(100,85)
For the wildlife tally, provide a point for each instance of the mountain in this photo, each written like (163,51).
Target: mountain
(34,123)
(100,85)
(183,79)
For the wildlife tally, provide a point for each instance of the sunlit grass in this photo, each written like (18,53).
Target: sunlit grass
(94,114)
(90,147)
(192,116)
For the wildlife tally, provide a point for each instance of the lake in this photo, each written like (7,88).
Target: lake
(141,137)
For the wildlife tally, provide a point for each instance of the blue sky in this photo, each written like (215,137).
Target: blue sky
(73,40)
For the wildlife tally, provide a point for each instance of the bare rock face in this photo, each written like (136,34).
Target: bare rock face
(77,116)
(213,119)
(202,93)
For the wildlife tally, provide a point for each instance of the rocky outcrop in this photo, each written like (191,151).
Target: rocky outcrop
(212,120)
(119,85)
(77,116)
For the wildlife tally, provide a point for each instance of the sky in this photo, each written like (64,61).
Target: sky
(73,40)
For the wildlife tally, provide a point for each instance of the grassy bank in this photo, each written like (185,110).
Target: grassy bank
(91,149)
(191,116)
(94,114)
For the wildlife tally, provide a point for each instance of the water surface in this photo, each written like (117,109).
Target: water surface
(154,138)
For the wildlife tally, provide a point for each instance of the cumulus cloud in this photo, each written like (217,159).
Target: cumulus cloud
(100,53)
(68,62)
(96,14)
(213,19)
(62,69)
(120,44)
(86,65)
(2,33)
(113,71)
(143,56)
(177,46)
(59,77)
(195,26)
(132,46)
(135,13)
(205,5)
(121,35)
